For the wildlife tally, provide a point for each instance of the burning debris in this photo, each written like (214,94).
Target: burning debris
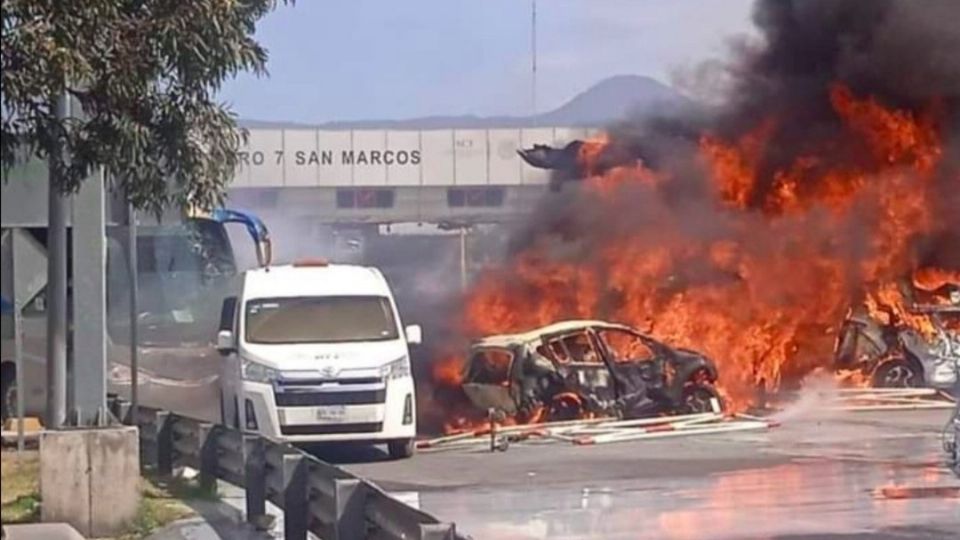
(587,369)
(579,159)
(594,431)
(832,171)
(543,156)
(900,344)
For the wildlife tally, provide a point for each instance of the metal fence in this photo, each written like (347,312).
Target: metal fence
(316,497)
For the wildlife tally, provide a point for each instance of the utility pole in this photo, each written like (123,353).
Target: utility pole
(17,349)
(134,311)
(464,274)
(533,54)
(57,280)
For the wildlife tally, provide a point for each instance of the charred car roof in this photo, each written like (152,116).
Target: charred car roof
(507,340)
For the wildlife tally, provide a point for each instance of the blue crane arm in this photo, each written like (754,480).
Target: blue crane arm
(255,227)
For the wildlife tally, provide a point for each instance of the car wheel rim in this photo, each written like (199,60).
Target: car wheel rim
(899,375)
(698,401)
(565,410)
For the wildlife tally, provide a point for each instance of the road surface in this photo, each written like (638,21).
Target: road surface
(819,475)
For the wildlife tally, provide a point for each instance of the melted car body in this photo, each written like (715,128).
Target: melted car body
(574,369)
(895,354)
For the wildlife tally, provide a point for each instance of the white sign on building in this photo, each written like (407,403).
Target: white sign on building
(474,157)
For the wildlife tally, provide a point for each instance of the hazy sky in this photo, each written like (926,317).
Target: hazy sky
(390,59)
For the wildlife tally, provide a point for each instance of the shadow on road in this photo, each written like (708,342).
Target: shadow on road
(215,520)
(347,454)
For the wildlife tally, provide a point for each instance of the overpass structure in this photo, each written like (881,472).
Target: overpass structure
(358,176)
(333,187)
(390,176)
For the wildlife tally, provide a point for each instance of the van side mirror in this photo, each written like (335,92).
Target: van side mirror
(414,334)
(226,344)
(228,313)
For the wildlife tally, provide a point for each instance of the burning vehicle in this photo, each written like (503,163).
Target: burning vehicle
(825,172)
(917,346)
(576,369)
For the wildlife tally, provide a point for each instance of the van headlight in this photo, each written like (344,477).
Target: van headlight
(256,372)
(397,369)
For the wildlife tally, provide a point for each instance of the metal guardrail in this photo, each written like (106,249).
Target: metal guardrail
(316,497)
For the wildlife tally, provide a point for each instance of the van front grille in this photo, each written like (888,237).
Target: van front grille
(316,398)
(332,429)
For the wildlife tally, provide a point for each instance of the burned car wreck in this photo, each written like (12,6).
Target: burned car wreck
(577,369)
(578,159)
(569,165)
(892,352)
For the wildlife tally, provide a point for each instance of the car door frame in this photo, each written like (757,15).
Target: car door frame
(590,331)
(491,389)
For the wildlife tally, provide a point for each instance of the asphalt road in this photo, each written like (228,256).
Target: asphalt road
(818,476)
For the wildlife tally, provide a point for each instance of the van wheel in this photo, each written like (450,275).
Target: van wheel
(401,449)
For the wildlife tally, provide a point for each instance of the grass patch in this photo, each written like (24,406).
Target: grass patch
(20,477)
(162,502)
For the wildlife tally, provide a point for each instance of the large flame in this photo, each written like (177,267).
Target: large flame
(762,288)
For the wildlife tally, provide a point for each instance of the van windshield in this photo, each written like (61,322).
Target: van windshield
(320,319)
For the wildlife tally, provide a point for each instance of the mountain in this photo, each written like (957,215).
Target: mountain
(614,99)
(609,100)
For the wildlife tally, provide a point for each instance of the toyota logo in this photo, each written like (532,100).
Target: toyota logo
(328,372)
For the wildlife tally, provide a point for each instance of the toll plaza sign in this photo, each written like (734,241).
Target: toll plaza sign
(314,157)
(376,157)
(327,157)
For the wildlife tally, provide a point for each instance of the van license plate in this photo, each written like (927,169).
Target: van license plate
(332,413)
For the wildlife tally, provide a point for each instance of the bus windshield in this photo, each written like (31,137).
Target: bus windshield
(185,270)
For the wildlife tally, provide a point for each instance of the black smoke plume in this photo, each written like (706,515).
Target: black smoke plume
(903,53)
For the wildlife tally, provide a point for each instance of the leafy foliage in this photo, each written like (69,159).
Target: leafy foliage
(145,74)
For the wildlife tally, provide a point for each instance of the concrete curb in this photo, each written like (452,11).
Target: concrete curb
(216,520)
(42,531)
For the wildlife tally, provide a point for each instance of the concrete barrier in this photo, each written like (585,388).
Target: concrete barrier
(41,531)
(90,478)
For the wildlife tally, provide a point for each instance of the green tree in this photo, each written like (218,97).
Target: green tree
(146,74)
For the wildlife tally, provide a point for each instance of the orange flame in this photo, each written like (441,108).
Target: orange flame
(931,278)
(887,300)
(448,371)
(591,149)
(763,298)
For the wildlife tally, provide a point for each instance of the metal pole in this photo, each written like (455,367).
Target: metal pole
(17,346)
(57,286)
(88,358)
(134,310)
(533,53)
(463,258)
(18,362)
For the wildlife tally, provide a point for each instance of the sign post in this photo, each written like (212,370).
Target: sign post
(132,265)
(18,363)
(89,381)
(57,283)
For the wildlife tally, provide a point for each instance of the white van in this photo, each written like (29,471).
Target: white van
(315,352)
